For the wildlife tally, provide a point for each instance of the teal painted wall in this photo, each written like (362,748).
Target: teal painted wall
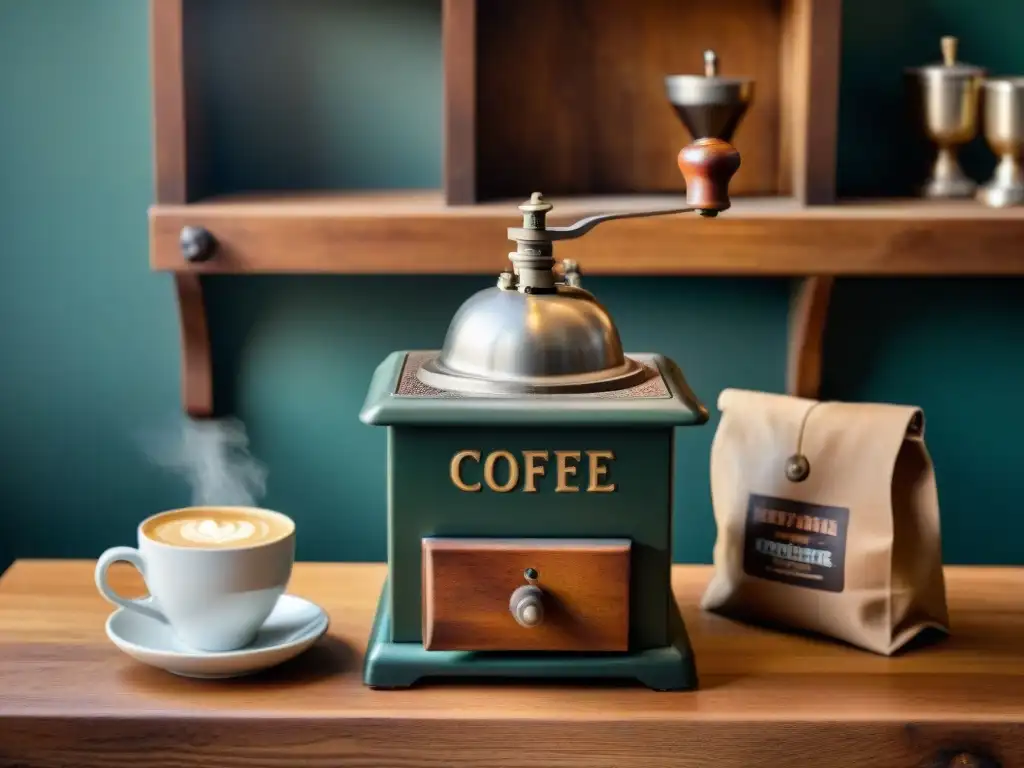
(88,335)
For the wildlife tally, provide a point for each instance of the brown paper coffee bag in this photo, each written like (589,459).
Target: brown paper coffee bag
(828,519)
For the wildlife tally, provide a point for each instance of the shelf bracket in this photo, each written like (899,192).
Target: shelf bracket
(808,313)
(196,360)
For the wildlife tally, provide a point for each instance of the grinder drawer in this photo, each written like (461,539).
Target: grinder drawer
(526,594)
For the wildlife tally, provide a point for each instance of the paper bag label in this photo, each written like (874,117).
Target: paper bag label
(795,542)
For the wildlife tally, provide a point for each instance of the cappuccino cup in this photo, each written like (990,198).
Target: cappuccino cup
(213,574)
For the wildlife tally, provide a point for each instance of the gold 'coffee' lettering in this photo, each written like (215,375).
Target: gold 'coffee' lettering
(598,470)
(534,466)
(513,471)
(455,470)
(533,470)
(564,470)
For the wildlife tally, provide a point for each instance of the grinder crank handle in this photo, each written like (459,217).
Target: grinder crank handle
(583,226)
(707,165)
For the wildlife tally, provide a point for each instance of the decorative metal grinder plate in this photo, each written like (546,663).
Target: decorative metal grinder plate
(409,385)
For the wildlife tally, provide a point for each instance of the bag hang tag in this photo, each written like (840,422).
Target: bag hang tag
(798,466)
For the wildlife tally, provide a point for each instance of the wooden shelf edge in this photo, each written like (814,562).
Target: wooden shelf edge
(414,234)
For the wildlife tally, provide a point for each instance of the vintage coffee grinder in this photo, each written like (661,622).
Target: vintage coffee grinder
(530,479)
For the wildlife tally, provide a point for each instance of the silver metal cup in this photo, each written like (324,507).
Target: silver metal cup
(1004,132)
(948,97)
(709,105)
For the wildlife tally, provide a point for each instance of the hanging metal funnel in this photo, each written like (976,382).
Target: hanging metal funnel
(708,105)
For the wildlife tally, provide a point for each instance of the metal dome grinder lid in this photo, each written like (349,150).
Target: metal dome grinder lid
(531,334)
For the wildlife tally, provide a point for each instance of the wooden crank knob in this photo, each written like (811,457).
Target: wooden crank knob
(708,166)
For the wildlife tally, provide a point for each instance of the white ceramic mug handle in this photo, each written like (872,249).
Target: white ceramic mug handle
(134,557)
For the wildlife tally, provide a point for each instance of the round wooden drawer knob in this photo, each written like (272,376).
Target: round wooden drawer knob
(527,606)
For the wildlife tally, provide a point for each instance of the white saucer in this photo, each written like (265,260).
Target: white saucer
(292,627)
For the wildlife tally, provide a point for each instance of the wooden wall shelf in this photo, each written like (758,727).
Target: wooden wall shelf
(600,126)
(416,233)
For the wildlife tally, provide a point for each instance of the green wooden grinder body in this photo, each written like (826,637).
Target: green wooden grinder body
(424,433)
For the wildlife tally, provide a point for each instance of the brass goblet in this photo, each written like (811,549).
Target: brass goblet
(948,96)
(1004,132)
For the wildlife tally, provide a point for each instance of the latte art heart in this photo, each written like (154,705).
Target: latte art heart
(212,532)
(217,529)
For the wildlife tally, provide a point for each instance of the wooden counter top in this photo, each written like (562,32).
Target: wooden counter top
(68,697)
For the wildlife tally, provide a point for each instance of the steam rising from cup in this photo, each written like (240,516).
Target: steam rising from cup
(214,459)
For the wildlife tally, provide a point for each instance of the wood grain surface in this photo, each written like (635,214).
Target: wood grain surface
(196,356)
(458,44)
(808,314)
(416,233)
(68,697)
(570,96)
(467,584)
(175,152)
(170,150)
(809,92)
